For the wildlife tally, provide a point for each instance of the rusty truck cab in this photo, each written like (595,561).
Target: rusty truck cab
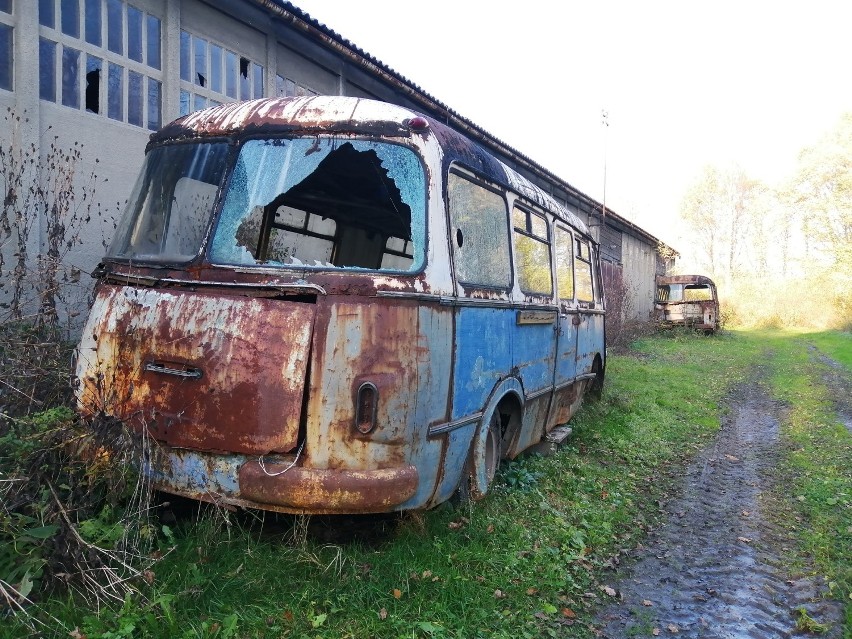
(687,300)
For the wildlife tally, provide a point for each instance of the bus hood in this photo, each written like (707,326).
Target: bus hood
(205,371)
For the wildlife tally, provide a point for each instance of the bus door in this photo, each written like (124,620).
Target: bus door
(537,321)
(590,327)
(565,369)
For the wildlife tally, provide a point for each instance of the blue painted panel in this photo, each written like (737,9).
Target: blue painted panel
(483,355)
(458,445)
(434,361)
(566,351)
(590,340)
(534,347)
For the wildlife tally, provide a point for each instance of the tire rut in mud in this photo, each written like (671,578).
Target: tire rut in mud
(839,381)
(716,569)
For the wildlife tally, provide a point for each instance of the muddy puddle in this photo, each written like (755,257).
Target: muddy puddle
(715,570)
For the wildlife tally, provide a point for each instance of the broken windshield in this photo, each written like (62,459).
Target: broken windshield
(170,208)
(324,203)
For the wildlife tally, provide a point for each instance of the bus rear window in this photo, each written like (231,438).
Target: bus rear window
(324,203)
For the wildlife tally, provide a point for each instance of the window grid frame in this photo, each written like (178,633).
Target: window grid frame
(191,91)
(107,57)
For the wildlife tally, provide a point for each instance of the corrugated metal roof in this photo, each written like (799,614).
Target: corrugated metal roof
(303,21)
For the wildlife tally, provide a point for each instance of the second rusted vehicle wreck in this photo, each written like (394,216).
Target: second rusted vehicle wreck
(687,300)
(336,305)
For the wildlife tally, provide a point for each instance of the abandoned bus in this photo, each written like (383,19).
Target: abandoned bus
(687,300)
(336,305)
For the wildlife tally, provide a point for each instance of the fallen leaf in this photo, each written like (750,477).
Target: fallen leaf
(490,528)
(427,574)
(646,602)
(532,591)
(540,615)
(568,613)
(76,634)
(499,594)
(397,593)
(148,576)
(383,614)
(656,632)
(454,525)
(732,458)
(746,513)
(745,540)
(288,615)
(673,629)
(609,591)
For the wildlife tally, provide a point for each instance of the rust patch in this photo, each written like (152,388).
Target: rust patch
(342,491)
(208,372)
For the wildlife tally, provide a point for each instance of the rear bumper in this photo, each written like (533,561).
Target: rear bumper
(275,485)
(328,491)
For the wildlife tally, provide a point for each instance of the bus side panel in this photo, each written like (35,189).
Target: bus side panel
(534,348)
(483,356)
(434,368)
(590,340)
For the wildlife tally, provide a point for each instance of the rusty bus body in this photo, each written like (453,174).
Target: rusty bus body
(687,300)
(336,305)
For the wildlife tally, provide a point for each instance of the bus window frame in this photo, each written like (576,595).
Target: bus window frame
(560,225)
(239,140)
(474,178)
(529,210)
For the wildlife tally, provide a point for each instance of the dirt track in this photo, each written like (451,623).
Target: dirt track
(715,570)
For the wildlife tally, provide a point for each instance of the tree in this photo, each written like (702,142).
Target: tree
(821,190)
(719,210)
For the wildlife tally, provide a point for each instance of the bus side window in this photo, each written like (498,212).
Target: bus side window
(532,252)
(479,234)
(585,281)
(564,264)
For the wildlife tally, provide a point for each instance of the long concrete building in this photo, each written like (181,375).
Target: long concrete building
(103,74)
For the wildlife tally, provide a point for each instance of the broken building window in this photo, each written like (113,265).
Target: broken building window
(93,84)
(324,203)
(210,74)
(99,82)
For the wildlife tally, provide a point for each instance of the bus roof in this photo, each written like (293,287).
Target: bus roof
(344,114)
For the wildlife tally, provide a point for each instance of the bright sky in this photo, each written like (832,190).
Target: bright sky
(685,84)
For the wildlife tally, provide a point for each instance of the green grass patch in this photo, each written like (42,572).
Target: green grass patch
(528,561)
(817,471)
(836,345)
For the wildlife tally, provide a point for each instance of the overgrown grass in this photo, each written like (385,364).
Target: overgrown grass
(531,559)
(817,468)
(835,344)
